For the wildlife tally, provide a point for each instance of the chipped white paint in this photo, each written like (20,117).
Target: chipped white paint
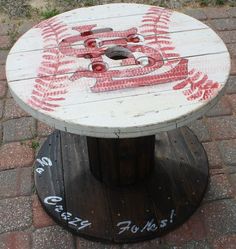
(70,102)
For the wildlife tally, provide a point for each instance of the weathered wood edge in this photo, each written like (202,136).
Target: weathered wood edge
(119,132)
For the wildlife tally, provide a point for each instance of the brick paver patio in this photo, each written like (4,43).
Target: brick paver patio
(24,224)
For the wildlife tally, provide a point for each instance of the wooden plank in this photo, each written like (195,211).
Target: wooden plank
(132,214)
(196,152)
(94,158)
(196,43)
(109,162)
(145,156)
(187,114)
(48,175)
(180,177)
(165,179)
(184,157)
(81,92)
(85,198)
(121,162)
(180,22)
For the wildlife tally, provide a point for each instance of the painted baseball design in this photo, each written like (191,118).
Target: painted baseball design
(115,66)
(154,52)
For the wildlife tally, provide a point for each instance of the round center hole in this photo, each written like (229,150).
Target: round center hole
(99,67)
(118,53)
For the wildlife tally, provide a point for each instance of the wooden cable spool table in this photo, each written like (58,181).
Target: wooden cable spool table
(119,81)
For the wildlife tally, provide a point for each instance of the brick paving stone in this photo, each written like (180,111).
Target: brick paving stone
(5,42)
(232,12)
(40,217)
(9,94)
(200,130)
(232,100)
(217,171)
(2,72)
(12,110)
(224,24)
(87,244)
(225,242)
(15,182)
(223,107)
(43,129)
(19,129)
(194,245)
(228,151)
(222,127)
(196,13)
(15,214)
(232,49)
(233,67)
(231,85)
(228,36)
(155,244)
(52,238)
(25,26)
(1,108)
(13,155)
(213,155)
(4,28)
(0,133)
(231,169)
(3,56)
(232,179)
(219,217)
(218,188)
(192,229)
(3,89)
(216,13)
(209,24)
(15,240)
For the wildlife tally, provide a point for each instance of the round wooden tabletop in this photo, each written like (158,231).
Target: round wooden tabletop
(118,70)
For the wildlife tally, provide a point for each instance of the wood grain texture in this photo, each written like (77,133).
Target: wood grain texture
(175,69)
(121,162)
(81,188)
(144,210)
(54,179)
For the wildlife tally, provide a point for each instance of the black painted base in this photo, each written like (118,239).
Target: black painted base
(85,206)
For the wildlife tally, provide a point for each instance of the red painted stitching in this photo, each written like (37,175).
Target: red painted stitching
(49,88)
(202,89)
(152,19)
(108,80)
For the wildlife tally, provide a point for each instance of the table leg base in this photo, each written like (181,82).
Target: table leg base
(87,207)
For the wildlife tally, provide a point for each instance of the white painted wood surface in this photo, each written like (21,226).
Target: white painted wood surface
(177,70)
